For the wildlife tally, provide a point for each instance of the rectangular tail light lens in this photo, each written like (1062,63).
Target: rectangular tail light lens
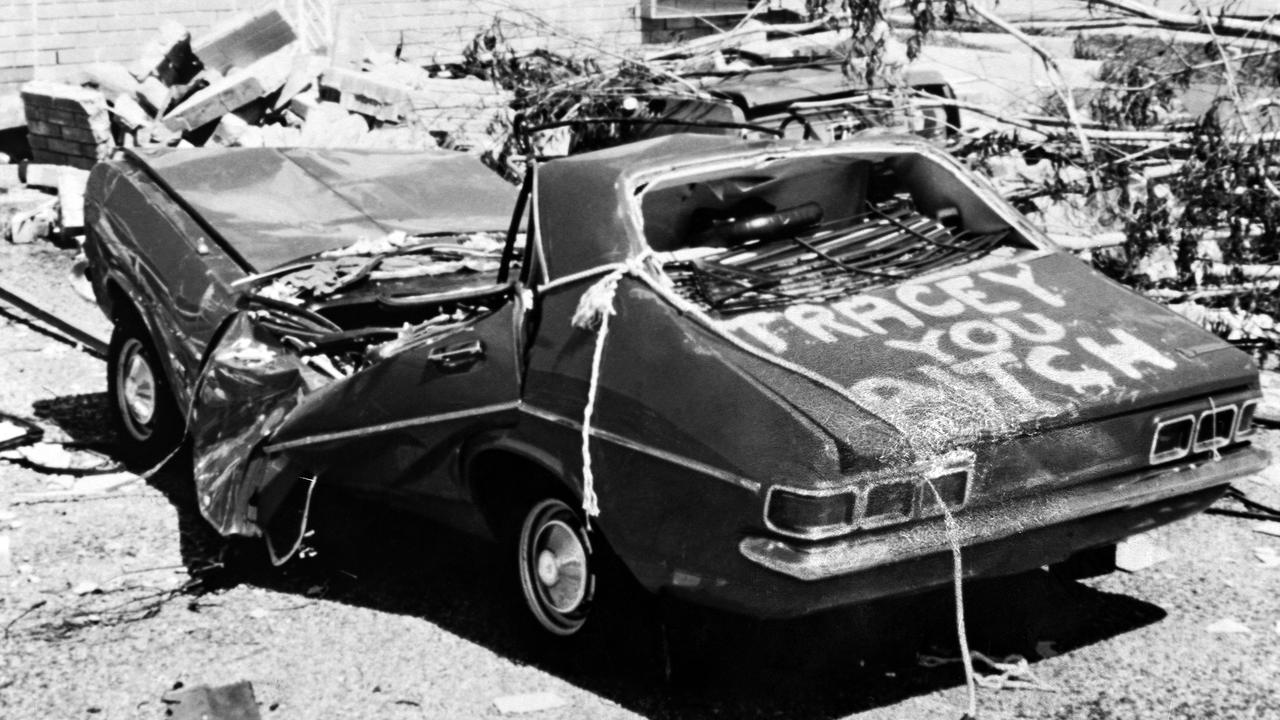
(889,502)
(810,516)
(1172,439)
(1244,423)
(1215,428)
(952,488)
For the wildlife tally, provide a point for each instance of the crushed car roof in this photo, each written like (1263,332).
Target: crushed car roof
(274,205)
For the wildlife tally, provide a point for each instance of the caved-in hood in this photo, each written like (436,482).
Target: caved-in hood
(999,346)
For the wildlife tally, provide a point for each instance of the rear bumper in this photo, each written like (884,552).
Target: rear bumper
(1000,539)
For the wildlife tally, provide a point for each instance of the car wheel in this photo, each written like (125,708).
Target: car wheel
(145,413)
(557,571)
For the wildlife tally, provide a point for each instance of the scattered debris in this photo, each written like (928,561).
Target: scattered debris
(58,458)
(86,587)
(16,431)
(1047,649)
(1138,553)
(1010,673)
(1268,556)
(229,702)
(1272,529)
(529,703)
(1228,626)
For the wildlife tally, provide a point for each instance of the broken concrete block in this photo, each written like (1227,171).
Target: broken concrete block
(243,40)
(154,95)
(34,224)
(328,125)
(234,131)
(129,112)
(368,95)
(230,702)
(167,56)
(71,187)
(280,136)
(231,93)
(302,105)
(41,175)
(111,78)
(304,73)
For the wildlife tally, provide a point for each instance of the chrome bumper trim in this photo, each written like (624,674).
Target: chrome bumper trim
(998,521)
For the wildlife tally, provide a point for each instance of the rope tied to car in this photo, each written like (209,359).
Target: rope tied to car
(595,307)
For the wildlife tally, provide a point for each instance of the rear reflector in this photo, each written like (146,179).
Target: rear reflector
(810,515)
(889,502)
(1244,423)
(951,487)
(1173,438)
(1215,428)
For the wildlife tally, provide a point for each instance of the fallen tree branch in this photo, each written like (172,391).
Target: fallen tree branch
(1060,86)
(1180,20)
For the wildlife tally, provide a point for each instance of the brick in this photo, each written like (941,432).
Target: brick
(302,105)
(63,97)
(243,40)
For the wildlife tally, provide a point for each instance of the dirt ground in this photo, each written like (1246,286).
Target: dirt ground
(108,601)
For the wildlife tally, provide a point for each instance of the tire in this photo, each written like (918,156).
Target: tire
(557,568)
(146,416)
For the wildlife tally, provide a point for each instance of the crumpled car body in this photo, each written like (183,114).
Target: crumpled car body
(814,353)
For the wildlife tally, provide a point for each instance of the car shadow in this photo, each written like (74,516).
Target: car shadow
(658,659)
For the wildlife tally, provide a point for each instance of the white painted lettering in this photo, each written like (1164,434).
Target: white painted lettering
(1127,354)
(756,326)
(993,366)
(980,336)
(869,310)
(909,295)
(1041,358)
(819,321)
(1025,281)
(927,345)
(961,288)
(874,391)
(1046,330)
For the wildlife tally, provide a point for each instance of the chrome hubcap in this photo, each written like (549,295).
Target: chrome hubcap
(137,388)
(561,564)
(555,571)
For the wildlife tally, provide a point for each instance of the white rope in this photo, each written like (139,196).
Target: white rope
(593,312)
(957,578)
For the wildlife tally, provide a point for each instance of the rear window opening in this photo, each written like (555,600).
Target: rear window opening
(816,228)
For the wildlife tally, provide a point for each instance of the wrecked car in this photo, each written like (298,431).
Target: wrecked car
(764,375)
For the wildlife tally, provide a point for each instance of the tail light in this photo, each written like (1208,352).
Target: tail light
(1244,423)
(1215,428)
(1173,439)
(810,514)
(870,502)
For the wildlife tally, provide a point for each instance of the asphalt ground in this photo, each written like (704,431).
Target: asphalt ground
(108,601)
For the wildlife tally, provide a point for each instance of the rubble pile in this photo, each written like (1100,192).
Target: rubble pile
(1143,139)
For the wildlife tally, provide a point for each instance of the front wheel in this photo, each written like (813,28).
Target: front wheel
(557,572)
(143,405)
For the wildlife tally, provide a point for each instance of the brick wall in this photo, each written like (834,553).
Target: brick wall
(50,39)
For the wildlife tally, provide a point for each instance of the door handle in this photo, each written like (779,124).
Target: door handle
(457,355)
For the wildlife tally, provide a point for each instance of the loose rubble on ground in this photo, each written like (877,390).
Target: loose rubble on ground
(1144,140)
